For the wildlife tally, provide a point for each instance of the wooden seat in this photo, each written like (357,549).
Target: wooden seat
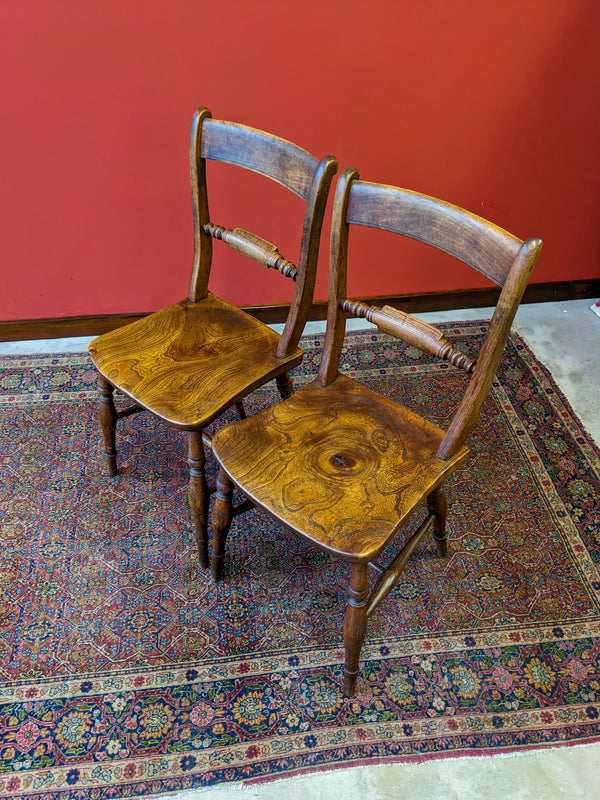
(338,463)
(189,362)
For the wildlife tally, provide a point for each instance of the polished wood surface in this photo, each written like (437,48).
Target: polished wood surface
(340,465)
(188,363)
(343,466)
(283,162)
(247,147)
(484,246)
(253,246)
(410,329)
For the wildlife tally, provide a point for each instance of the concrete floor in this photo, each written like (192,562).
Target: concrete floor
(566,338)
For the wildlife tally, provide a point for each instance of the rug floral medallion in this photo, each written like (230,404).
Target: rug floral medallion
(125,671)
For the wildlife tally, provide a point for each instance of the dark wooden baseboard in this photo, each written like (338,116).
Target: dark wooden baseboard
(20,330)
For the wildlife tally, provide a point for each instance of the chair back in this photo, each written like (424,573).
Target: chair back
(492,251)
(281,161)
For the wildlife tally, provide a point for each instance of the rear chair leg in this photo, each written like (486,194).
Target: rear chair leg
(285,385)
(198,493)
(355,625)
(221,522)
(108,423)
(437,504)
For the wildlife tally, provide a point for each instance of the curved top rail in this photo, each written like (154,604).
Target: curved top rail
(482,245)
(261,152)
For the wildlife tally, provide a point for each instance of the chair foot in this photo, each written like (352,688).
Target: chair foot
(437,504)
(108,423)
(349,684)
(284,385)
(198,494)
(221,522)
(355,625)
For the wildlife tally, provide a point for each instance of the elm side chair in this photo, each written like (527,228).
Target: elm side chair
(343,466)
(188,363)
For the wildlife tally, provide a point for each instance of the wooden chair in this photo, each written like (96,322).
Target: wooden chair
(343,466)
(191,361)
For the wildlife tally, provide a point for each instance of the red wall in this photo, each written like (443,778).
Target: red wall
(494,106)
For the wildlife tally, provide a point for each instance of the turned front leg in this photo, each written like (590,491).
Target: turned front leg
(355,625)
(108,423)
(198,493)
(438,505)
(221,522)
(285,385)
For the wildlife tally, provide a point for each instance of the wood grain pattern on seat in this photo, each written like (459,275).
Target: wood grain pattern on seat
(341,465)
(189,362)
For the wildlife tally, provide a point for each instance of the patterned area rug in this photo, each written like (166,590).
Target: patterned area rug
(125,671)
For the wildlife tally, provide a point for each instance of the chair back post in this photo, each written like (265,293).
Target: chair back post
(491,349)
(280,161)
(309,252)
(202,241)
(502,257)
(338,258)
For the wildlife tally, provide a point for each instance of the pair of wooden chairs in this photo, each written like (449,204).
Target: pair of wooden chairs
(336,462)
